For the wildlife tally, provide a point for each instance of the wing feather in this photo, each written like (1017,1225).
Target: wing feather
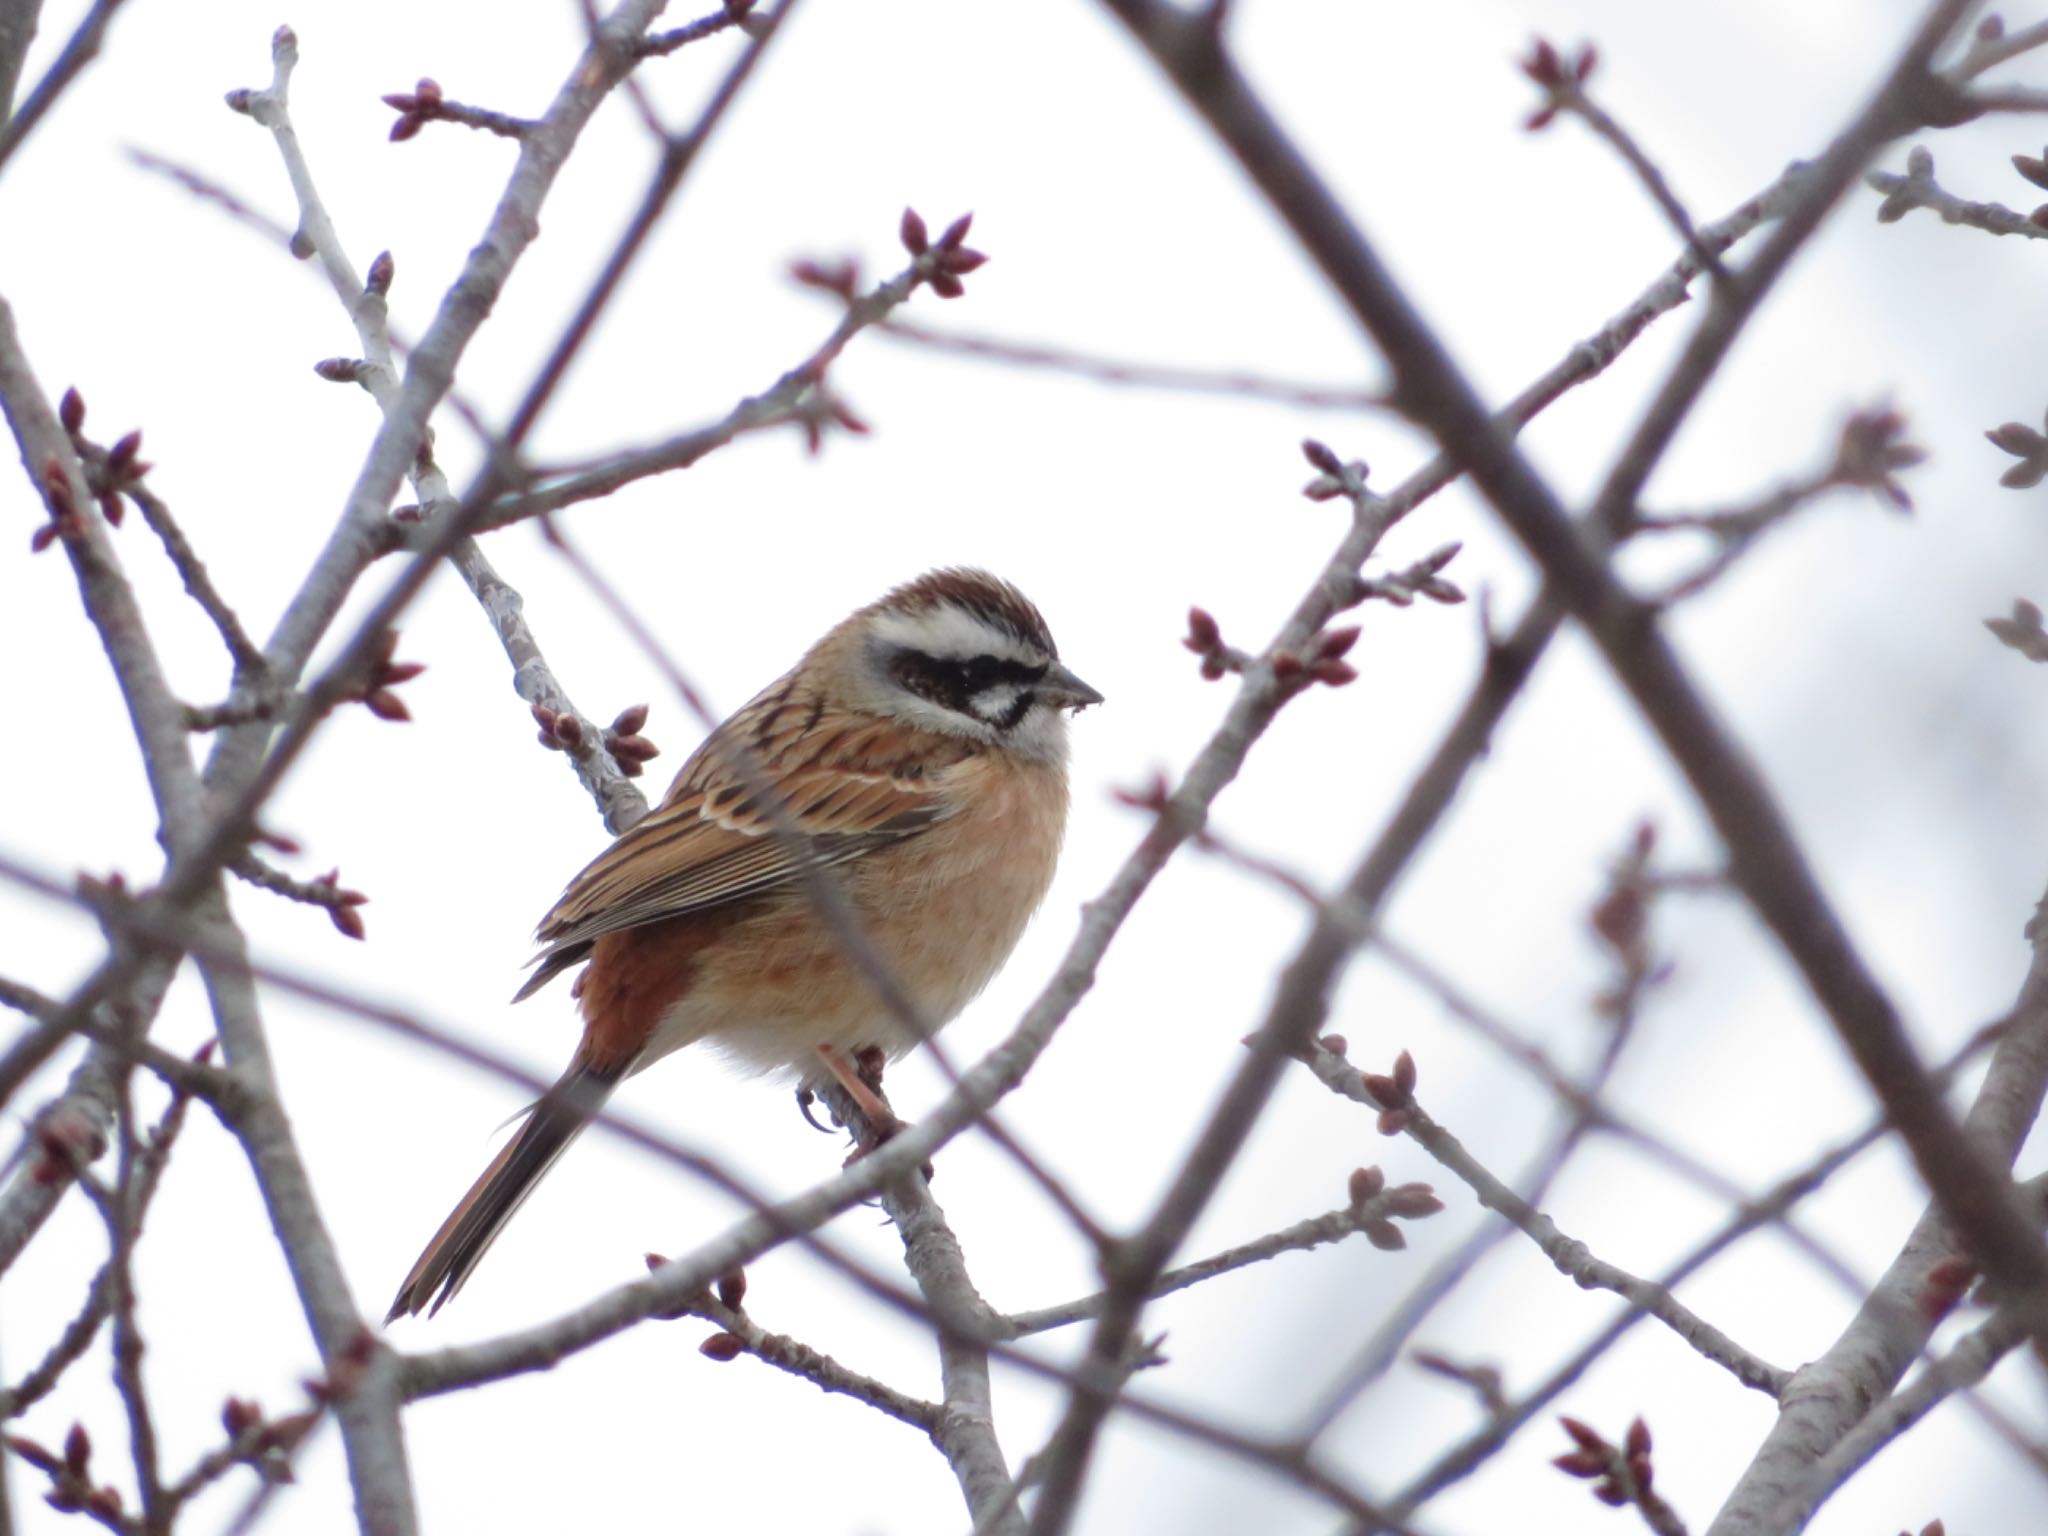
(848,784)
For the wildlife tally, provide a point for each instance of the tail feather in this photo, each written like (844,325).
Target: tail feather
(474,1225)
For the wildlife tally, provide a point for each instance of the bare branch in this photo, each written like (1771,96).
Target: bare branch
(1405,1201)
(1137,375)
(1572,1258)
(1918,189)
(80,51)
(1765,860)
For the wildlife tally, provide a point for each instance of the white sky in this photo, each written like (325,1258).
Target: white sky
(1849,655)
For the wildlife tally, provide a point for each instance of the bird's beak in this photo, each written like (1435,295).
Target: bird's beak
(1065,690)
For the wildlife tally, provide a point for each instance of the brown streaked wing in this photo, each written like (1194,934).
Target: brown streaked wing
(850,784)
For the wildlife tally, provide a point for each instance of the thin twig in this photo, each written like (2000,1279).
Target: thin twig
(659,44)
(80,51)
(1110,370)
(246,654)
(1918,189)
(1330,1227)
(816,1367)
(1571,1257)
(787,401)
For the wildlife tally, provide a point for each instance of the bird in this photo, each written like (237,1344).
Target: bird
(917,752)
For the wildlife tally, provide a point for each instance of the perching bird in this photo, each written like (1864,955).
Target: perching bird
(919,750)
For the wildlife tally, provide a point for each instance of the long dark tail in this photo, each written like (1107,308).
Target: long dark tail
(474,1225)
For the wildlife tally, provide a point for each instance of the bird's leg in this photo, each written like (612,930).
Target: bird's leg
(863,1091)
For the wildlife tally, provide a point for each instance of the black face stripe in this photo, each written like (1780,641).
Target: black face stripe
(953,682)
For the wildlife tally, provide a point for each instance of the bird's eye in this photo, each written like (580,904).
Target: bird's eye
(982,671)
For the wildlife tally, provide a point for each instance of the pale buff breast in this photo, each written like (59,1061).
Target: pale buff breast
(943,909)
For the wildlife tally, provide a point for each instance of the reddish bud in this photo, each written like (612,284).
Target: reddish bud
(1414,1201)
(348,920)
(1542,64)
(1637,1442)
(406,127)
(1151,796)
(722,1346)
(104,1504)
(1336,1045)
(959,263)
(67,1141)
(71,411)
(732,1288)
(112,508)
(1584,1433)
(947,286)
(122,454)
(1404,1073)
(77,1450)
(382,270)
(913,234)
(1203,632)
(630,719)
(57,490)
(239,1415)
(1337,642)
(339,370)
(1287,667)
(1365,1183)
(840,277)
(1384,1235)
(428,92)
(1946,1284)
(956,232)
(1320,456)
(386,705)
(1392,1122)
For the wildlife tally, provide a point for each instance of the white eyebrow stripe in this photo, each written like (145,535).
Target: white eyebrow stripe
(951,632)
